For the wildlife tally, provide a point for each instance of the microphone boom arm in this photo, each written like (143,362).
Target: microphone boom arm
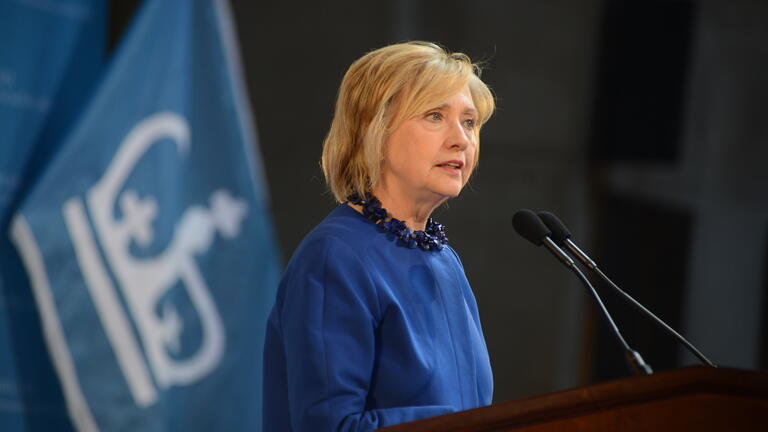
(634,359)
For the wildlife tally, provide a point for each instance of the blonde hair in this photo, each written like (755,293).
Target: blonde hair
(381,90)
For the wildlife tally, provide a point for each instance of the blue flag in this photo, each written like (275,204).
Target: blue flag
(51,55)
(148,240)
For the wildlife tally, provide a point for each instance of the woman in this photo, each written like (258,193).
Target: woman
(375,323)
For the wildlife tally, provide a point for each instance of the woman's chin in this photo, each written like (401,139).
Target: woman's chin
(448,191)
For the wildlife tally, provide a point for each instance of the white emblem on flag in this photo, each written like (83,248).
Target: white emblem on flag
(143,280)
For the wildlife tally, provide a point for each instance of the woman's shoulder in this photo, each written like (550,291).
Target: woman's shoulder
(331,257)
(453,256)
(343,230)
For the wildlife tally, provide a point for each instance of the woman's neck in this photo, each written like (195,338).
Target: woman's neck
(400,205)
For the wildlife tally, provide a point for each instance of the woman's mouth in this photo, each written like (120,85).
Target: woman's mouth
(452,166)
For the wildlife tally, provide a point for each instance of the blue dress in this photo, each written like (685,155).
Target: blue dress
(367,333)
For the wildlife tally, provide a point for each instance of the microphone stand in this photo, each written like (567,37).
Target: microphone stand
(654,318)
(563,237)
(634,359)
(589,263)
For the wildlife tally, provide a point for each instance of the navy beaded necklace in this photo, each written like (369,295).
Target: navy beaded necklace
(431,239)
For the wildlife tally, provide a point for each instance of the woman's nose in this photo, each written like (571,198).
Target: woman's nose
(459,136)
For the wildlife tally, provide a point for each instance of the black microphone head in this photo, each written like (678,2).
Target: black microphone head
(528,225)
(559,232)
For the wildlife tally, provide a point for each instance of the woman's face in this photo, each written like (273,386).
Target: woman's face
(430,156)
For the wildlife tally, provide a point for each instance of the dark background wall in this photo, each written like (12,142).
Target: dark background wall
(643,124)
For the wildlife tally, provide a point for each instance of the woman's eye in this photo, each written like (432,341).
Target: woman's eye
(435,116)
(469,123)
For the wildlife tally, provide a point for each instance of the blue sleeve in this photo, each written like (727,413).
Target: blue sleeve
(329,316)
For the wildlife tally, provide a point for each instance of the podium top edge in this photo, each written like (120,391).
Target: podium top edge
(751,384)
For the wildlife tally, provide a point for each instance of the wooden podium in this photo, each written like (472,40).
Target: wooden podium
(690,399)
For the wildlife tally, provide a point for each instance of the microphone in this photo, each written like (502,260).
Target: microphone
(530,227)
(561,236)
